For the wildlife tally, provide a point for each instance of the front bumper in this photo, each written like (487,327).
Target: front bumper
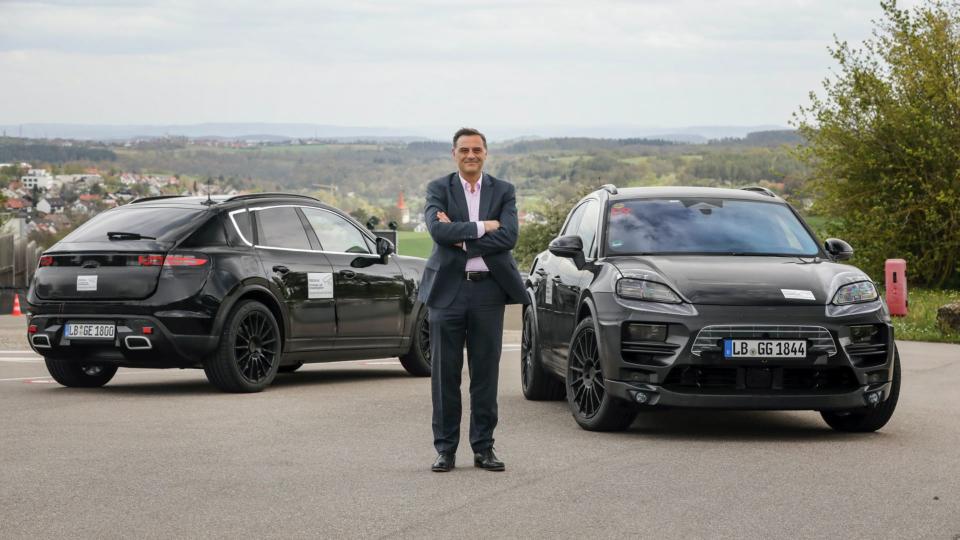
(670,373)
(130,347)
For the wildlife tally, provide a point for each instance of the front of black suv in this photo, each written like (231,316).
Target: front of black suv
(666,323)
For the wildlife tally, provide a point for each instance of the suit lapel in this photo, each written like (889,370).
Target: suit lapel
(486,195)
(457,196)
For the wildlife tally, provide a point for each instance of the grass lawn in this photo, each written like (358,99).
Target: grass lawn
(920,324)
(415,244)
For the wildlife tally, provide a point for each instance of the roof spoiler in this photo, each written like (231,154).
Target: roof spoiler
(610,188)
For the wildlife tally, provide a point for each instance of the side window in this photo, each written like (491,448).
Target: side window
(243,225)
(281,227)
(574,222)
(208,234)
(588,226)
(336,233)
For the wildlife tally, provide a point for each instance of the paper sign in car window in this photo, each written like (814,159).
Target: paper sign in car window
(319,285)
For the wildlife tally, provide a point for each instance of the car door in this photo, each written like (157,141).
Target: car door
(370,293)
(300,275)
(549,278)
(569,281)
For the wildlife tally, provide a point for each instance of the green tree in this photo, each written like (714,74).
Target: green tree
(883,142)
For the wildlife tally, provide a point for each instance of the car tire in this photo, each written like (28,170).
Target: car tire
(417,359)
(537,384)
(74,374)
(248,356)
(592,406)
(290,368)
(872,419)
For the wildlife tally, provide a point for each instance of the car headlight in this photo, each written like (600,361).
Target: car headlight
(856,293)
(651,291)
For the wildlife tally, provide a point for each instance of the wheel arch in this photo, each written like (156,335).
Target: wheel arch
(260,293)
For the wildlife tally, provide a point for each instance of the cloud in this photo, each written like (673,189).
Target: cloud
(404,63)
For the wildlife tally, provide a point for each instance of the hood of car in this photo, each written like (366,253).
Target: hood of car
(743,280)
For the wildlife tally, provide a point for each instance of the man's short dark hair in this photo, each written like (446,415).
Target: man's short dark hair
(466,132)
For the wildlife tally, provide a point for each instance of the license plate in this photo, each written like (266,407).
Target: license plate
(764,348)
(90,331)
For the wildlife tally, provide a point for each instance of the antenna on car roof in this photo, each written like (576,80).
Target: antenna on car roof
(209,200)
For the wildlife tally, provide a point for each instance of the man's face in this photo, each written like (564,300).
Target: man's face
(470,154)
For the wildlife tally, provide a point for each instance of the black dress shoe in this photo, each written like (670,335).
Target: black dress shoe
(444,462)
(486,459)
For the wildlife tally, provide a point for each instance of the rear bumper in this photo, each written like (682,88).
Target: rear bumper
(130,347)
(658,395)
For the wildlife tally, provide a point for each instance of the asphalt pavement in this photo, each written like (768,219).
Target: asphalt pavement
(344,449)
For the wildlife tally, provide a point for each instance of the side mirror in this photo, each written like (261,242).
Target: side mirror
(570,247)
(384,248)
(838,249)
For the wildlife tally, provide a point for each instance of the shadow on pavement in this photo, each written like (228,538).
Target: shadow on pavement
(200,386)
(773,426)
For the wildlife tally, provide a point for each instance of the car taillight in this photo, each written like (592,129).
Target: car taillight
(150,260)
(46,260)
(185,260)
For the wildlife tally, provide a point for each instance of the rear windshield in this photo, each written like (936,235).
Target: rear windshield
(705,226)
(160,223)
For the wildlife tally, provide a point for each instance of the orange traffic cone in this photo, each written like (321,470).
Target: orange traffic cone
(16,305)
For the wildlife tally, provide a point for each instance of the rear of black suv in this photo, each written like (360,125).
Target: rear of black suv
(138,287)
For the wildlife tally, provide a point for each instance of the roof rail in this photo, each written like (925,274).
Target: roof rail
(760,189)
(266,195)
(153,198)
(611,189)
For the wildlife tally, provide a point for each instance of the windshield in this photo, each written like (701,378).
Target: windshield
(705,226)
(159,223)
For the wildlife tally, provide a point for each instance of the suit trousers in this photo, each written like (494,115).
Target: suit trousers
(475,318)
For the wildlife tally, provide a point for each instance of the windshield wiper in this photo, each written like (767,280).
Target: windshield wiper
(114,235)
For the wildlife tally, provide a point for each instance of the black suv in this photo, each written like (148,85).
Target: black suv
(704,297)
(243,287)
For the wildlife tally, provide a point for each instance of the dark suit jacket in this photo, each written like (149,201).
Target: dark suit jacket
(444,270)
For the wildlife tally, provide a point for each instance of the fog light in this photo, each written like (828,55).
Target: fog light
(646,332)
(32,329)
(873,399)
(642,398)
(147,330)
(862,334)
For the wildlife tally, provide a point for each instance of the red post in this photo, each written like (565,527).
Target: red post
(895,271)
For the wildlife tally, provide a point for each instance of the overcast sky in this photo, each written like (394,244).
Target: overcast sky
(419,62)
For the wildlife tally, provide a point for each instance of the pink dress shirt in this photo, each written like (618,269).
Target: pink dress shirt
(475,264)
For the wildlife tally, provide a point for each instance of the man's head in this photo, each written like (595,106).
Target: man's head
(469,151)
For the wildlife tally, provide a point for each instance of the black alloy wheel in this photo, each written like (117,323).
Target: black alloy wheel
(592,406)
(537,384)
(248,357)
(586,375)
(255,347)
(417,360)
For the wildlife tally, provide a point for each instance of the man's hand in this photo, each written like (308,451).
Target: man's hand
(443,218)
(491,225)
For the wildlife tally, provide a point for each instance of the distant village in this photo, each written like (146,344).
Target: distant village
(48,203)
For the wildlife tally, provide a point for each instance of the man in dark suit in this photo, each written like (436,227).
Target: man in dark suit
(469,278)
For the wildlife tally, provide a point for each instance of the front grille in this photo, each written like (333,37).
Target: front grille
(710,338)
(747,379)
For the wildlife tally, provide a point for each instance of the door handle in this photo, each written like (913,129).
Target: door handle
(348,274)
(541,272)
(280,269)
